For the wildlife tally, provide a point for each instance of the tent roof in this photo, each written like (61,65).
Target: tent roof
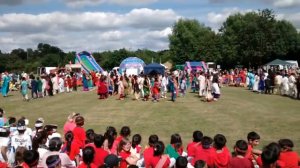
(278,62)
(154,68)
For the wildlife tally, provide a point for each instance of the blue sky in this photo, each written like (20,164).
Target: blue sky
(99,25)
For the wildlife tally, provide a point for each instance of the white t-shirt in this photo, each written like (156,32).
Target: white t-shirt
(4,141)
(21,140)
(215,88)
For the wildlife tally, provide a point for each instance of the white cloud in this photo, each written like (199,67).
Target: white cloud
(294,18)
(95,31)
(81,3)
(215,20)
(285,3)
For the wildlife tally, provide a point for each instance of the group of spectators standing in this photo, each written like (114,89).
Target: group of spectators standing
(43,147)
(39,87)
(285,82)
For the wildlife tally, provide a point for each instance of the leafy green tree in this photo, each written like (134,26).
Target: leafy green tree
(191,40)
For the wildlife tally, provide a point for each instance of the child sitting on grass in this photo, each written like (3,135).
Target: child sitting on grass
(239,160)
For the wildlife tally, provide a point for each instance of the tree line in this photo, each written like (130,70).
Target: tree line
(249,39)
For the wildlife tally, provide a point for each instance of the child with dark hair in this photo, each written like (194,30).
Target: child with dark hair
(135,146)
(19,157)
(100,153)
(55,149)
(287,156)
(53,161)
(192,146)
(110,136)
(222,154)
(71,148)
(181,162)
(200,164)
(88,158)
(90,133)
(175,149)
(124,153)
(31,159)
(240,150)
(38,143)
(206,151)
(270,156)
(253,141)
(124,133)
(159,159)
(149,152)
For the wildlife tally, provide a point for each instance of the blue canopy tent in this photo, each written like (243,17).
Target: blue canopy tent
(154,68)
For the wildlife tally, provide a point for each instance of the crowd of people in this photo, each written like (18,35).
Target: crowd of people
(285,82)
(138,87)
(45,147)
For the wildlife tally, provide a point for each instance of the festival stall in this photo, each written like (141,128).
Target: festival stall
(132,66)
(153,69)
(278,64)
(195,66)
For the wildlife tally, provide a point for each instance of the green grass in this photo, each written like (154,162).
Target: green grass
(234,115)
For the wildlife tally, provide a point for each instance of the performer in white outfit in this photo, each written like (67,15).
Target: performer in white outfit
(202,85)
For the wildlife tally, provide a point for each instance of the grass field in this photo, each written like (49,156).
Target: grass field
(234,115)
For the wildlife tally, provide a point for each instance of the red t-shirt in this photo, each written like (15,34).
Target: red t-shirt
(83,165)
(155,159)
(289,158)
(237,162)
(191,148)
(148,155)
(79,136)
(25,165)
(115,145)
(249,152)
(3,165)
(75,150)
(124,155)
(204,154)
(99,156)
(221,159)
(69,126)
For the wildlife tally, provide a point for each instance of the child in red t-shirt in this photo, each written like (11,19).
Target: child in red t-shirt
(205,152)
(253,141)
(192,146)
(287,155)
(79,132)
(100,153)
(149,152)
(136,147)
(125,154)
(239,160)
(71,148)
(124,133)
(158,159)
(221,155)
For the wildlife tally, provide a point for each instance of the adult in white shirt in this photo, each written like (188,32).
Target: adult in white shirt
(202,86)
(44,85)
(61,84)
(55,82)
(278,81)
(292,85)
(164,84)
(285,85)
(215,90)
